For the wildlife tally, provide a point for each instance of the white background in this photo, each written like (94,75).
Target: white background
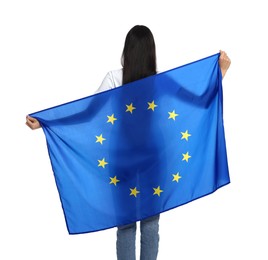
(56,51)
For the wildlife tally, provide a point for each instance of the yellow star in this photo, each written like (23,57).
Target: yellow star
(185,135)
(100,139)
(176,177)
(113,180)
(157,191)
(111,119)
(152,105)
(172,115)
(130,108)
(186,156)
(134,192)
(102,163)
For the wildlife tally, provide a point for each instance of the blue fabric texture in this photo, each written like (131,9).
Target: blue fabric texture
(138,150)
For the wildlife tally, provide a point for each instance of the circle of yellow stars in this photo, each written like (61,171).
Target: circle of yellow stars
(130,109)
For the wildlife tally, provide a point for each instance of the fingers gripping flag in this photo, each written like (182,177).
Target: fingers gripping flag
(138,150)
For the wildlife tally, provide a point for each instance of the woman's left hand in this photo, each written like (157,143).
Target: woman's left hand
(33,123)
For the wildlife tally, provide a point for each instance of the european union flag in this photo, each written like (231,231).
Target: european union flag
(140,149)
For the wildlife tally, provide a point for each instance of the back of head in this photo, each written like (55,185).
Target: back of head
(139,55)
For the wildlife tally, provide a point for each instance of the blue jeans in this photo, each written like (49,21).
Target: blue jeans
(126,239)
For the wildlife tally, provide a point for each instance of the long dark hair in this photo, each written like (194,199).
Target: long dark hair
(139,56)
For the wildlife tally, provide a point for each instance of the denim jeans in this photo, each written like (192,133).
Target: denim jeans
(126,240)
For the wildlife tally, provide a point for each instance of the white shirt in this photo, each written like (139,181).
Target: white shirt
(113,79)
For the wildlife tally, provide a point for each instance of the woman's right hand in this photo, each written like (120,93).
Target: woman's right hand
(32,123)
(224,62)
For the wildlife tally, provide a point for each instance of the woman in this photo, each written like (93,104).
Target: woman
(138,61)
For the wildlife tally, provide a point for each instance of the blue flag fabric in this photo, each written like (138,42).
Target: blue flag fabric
(138,150)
